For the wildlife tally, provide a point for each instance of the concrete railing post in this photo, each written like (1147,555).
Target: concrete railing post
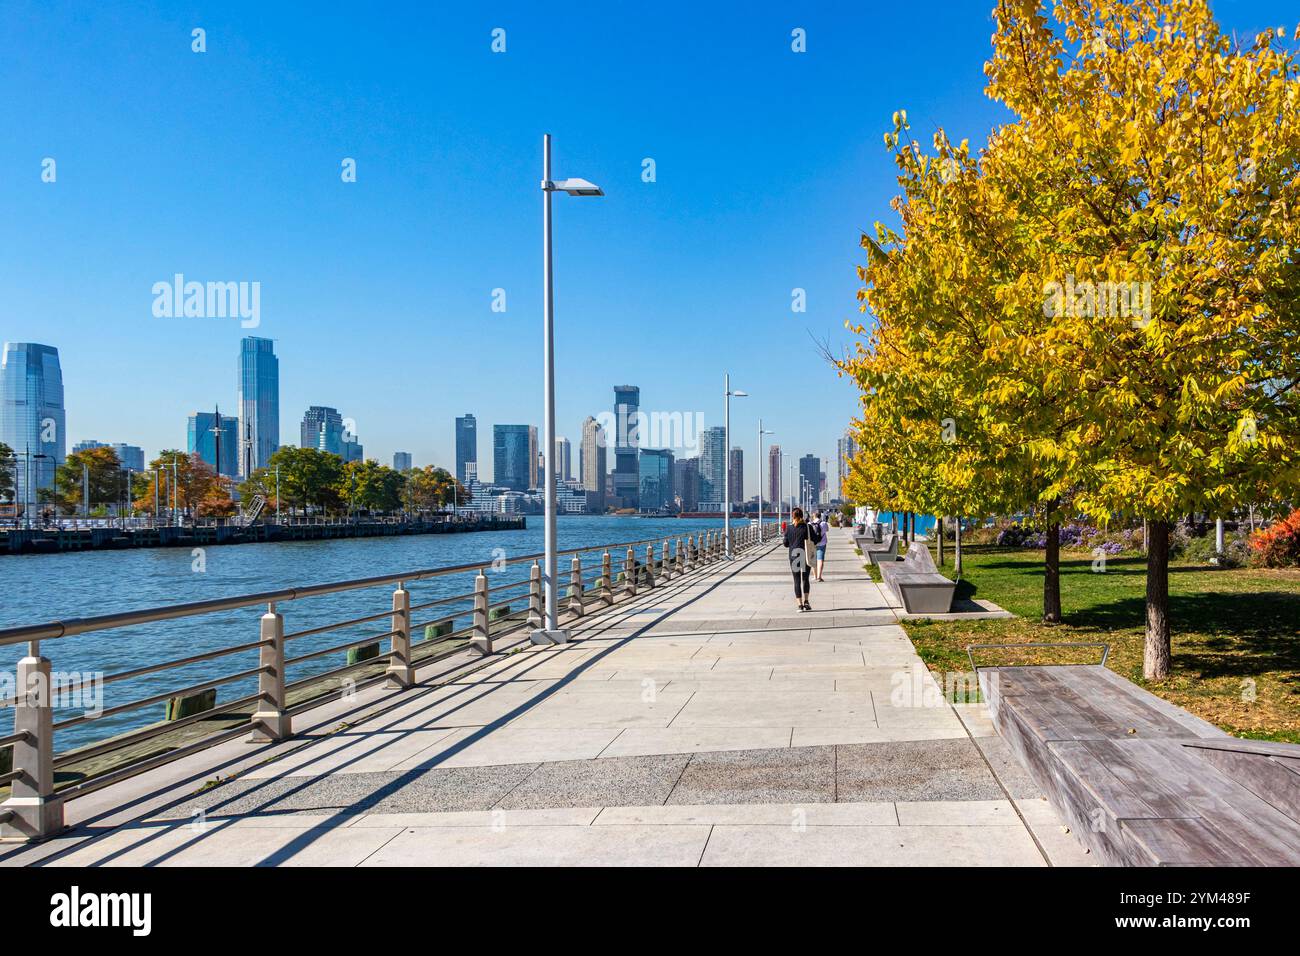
(690,552)
(649,565)
(629,572)
(575,586)
(681,558)
(37,812)
(535,595)
(606,578)
(271,722)
(400,672)
(665,562)
(482,640)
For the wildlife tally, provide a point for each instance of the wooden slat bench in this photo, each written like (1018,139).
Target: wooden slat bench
(1141,781)
(917,583)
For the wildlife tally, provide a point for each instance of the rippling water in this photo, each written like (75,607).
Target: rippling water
(46,587)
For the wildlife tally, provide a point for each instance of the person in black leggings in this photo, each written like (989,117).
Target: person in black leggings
(799,541)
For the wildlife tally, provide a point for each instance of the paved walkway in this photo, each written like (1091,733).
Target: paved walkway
(707,722)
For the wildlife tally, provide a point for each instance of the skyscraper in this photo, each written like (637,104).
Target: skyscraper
(401,461)
(774,475)
(712,445)
(592,455)
(845,452)
(686,483)
(627,440)
(512,460)
(736,475)
(810,480)
(130,456)
(656,492)
(215,439)
(563,460)
(259,403)
(466,448)
(534,459)
(32,418)
(322,429)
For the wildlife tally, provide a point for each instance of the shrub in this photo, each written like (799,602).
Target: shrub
(1278,545)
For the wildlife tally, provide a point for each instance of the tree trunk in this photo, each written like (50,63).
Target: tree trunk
(938,535)
(1156,655)
(1052,575)
(957,548)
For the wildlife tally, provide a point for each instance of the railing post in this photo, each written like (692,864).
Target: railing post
(535,595)
(482,640)
(681,558)
(271,722)
(606,581)
(575,586)
(400,672)
(649,565)
(629,572)
(37,812)
(665,561)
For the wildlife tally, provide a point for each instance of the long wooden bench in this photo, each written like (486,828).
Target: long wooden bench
(917,583)
(1141,781)
(876,553)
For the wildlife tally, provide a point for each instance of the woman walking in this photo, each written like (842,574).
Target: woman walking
(823,529)
(800,540)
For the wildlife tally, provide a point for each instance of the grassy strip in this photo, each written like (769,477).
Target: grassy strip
(1236,633)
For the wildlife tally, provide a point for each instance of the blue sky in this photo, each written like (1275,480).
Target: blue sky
(225,166)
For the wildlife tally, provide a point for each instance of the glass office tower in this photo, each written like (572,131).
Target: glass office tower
(511,449)
(466,448)
(32,420)
(259,403)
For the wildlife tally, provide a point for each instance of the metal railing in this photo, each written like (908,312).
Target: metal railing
(472,620)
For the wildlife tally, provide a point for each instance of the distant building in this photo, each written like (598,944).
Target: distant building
(563,460)
(401,461)
(810,480)
(774,475)
(259,403)
(215,439)
(512,461)
(32,421)
(846,450)
(322,429)
(627,441)
(686,483)
(591,457)
(712,445)
(466,448)
(656,474)
(736,476)
(535,464)
(353,450)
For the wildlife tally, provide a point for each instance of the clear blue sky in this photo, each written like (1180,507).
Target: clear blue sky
(226,166)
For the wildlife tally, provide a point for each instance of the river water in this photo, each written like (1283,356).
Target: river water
(48,587)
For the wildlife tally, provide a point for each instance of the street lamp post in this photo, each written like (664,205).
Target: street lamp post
(726,459)
(549,632)
(761,476)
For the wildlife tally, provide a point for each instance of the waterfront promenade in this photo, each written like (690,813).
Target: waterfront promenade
(704,722)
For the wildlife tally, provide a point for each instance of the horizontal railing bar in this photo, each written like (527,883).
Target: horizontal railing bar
(438,620)
(9,777)
(154,668)
(16,738)
(447,600)
(157,698)
(361,642)
(55,629)
(304,681)
(334,627)
(153,730)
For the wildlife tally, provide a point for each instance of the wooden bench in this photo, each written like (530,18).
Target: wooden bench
(917,583)
(1141,781)
(876,553)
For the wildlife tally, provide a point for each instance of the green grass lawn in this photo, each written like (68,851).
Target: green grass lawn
(1236,633)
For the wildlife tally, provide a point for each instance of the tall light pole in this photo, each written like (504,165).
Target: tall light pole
(550,632)
(727,393)
(761,475)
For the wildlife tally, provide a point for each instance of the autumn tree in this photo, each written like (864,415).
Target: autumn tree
(101,471)
(308,477)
